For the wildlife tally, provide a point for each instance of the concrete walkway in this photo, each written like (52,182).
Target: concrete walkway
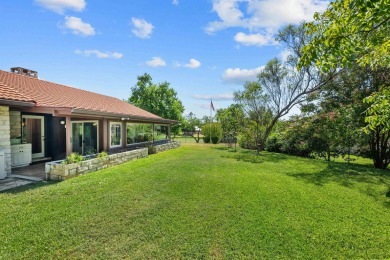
(12,182)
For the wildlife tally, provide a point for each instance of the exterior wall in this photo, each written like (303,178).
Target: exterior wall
(15,124)
(5,139)
(60,172)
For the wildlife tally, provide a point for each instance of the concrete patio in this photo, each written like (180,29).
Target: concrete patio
(23,175)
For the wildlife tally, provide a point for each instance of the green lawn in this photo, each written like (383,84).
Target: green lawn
(203,201)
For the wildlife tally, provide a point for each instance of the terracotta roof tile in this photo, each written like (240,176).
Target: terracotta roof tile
(48,94)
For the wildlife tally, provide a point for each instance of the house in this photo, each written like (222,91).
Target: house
(42,120)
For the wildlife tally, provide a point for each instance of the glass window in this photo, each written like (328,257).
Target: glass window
(139,133)
(116,134)
(160,132)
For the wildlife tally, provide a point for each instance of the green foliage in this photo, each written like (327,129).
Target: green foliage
(378,112)
(231,120)
(206,139)
(229,205)
(158,99)
(349,32)
(73,158)
(102,155)
(248,136)
(274,144)
(213,131)
(255,103)
(191,126)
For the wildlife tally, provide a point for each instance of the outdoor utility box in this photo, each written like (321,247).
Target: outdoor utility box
(3,173)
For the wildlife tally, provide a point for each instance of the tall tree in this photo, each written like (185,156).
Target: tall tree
(192,126)
(349,32)
(159,99)
(345,97)
(231,120)
(354,32)
(255,102)
(283,85)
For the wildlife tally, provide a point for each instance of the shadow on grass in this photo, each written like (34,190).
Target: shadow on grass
(346,174)
(252,156)
(31,186)
(364,178)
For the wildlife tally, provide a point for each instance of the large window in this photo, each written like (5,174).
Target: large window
(115,134)
(139,133)
(160,132)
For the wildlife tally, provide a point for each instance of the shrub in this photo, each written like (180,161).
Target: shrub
(210,131)
(273,144)
(103,154)
(214,139)
(73,158)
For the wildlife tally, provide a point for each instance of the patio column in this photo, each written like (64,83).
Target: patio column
(105,134)
(68,135)
(169,132)
(124,133)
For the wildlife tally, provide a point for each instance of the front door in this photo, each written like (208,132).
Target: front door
(33,132)
(85,137)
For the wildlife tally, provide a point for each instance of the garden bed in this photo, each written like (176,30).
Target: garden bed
(59,171)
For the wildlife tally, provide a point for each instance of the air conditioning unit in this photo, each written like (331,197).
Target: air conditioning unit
(3,172)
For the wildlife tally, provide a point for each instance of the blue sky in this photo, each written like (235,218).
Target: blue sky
(203,48)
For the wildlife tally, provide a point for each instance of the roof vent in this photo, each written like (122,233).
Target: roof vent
(25,72)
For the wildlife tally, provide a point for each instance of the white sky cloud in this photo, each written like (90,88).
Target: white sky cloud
(78,27)
(175,2)
(100,54)
(225,96)
(156,62)
(264,17)
(240,76)
(59,6)
(141,28)
(192,64)
(256,39)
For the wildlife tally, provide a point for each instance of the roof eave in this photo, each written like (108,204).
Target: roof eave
(123,117)
(16,103)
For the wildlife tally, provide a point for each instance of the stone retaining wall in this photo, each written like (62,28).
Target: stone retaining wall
(59,172)
(164,147)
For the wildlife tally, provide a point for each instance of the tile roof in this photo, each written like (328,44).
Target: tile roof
(47,94)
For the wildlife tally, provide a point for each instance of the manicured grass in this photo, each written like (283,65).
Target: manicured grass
(188,139)
(204,201)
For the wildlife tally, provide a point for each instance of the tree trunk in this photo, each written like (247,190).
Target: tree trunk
(379,146)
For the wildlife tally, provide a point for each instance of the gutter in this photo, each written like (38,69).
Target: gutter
(9,102)
(124,117)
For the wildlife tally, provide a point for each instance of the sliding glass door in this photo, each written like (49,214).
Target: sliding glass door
(85,137)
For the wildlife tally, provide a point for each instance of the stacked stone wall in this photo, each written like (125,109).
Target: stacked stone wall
(167,146)
(5,142)
(59,172)
(15,124)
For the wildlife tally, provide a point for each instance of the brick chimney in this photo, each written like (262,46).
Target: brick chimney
(25,72)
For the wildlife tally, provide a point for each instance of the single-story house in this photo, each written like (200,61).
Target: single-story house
(47,121)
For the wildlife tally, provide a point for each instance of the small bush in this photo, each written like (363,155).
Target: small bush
(206,139)
(273,144)
(73,158)
(214,139)
(103,154)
